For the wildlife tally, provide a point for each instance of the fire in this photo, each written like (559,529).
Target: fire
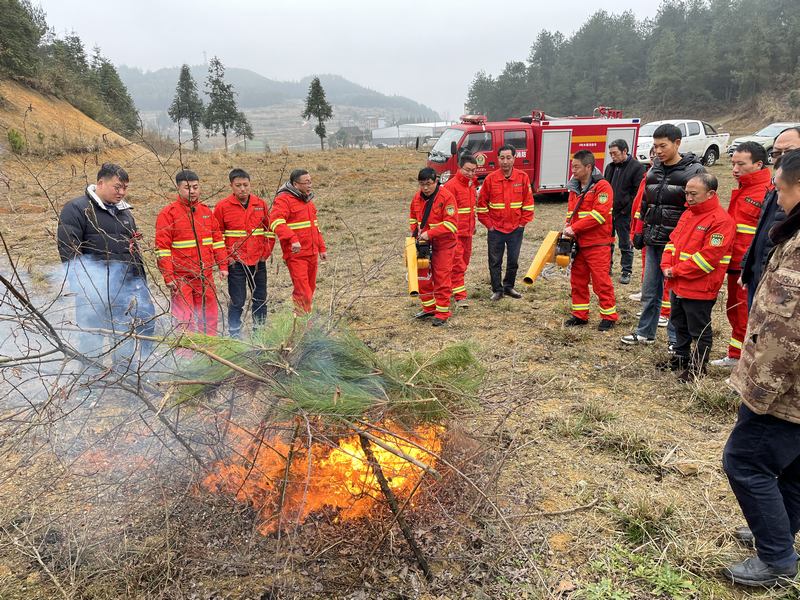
(285,484)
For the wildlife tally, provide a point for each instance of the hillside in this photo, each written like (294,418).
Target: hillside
(50,125)
(154,90)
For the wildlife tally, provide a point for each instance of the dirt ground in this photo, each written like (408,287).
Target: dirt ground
(606,471)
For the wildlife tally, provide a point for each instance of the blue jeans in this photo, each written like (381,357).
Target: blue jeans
(242,277)
(111,296)
(652,290)
(762,462)
(497,243)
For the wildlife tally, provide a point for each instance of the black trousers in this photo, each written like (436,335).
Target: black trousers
(622,229)
(242,277)
(762,462)
(498,243)
(692,322)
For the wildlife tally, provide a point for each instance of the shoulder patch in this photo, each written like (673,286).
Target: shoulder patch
(602,198)
(717,239)
(451,210)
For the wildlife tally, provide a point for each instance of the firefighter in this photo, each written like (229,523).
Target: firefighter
(244,220)
(188,245)
(694,261)
(505,206)
(293,219)
(462,187)
(433,219)
(589,223)
(754,182)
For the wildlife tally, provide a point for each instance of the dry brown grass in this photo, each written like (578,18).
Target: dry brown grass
(634,423)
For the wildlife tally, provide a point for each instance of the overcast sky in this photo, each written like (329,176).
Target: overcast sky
(428,50)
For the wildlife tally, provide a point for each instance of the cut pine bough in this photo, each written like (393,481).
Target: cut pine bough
(349,425)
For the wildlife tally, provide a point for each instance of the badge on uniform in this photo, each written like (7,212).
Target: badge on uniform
(717,239)
(450,210)
(602,198)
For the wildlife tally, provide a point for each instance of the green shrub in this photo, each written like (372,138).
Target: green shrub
(16,141)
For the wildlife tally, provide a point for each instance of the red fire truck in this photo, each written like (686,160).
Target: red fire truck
(544,144)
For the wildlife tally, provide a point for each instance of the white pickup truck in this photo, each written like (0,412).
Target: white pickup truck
(699,138)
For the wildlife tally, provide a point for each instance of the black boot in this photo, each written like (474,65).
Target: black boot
(754,572)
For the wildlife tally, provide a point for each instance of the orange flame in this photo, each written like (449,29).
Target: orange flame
(337,477)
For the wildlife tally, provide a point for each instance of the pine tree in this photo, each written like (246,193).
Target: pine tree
(221,113)
(116,98)
(187,105)
(317,106)
(243,129)
(23,27)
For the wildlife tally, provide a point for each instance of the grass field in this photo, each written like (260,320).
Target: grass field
(606,470)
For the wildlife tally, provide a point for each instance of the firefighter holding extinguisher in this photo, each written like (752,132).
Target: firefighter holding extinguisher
(433,221)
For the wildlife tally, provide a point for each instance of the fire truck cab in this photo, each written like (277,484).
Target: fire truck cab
(544,144)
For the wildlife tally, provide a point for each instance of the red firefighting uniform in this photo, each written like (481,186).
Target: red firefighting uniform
(699,251)
(188,245)
(295,220)
(435,284)
(594,234)
(745,210)
(638,227)
(504,203)
(248,238)
(464,191)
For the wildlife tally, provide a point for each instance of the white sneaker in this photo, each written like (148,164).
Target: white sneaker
(663,321)
(633,338)
(727,362)
(638,314)
(637,296)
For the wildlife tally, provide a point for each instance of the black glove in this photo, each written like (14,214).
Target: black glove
(638,241)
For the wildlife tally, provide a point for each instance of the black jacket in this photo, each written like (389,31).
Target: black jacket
(85,229)
(756,257)
(624,179)
(665,199)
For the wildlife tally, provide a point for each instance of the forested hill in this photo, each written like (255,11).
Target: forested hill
(154,91)
(33,55)
(695,55)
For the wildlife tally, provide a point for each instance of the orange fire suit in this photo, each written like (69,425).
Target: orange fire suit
(699,251)
(464,191)
(505,204)
(293,218)
(248,238)
(435,285)
(594,235)
(745,210)
(188,245)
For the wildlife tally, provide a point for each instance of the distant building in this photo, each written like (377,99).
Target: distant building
(374,122)
(395,135)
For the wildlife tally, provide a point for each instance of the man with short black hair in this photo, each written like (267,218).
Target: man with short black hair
(433,220)
(293,219)
(589,224)
(754,182)
(694,262)
(244,221)
(98,244)
(663,204)
(462,186)
(754,262)
(188,245)
(624,173)
(505,206)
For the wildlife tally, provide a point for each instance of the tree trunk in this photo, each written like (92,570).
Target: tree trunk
(321,139)
(225,137)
